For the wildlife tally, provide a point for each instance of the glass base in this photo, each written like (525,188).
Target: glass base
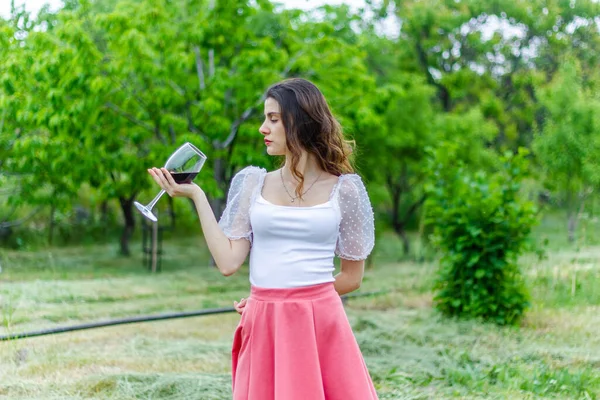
(145,211)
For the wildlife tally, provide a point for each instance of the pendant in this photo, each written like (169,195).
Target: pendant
(292,200)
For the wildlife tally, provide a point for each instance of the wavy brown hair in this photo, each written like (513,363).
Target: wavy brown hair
(310,126)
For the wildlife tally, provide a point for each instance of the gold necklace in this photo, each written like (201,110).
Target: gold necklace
(288,193)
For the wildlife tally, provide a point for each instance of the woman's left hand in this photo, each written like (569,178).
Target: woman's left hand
(239,307)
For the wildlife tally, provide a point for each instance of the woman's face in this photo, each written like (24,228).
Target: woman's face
(272,129)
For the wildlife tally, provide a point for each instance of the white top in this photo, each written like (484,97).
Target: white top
(295,246)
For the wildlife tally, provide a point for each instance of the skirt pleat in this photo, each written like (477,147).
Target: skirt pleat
(297,344)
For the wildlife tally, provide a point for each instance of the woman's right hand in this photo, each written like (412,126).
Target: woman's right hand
(239,307)
(174,189)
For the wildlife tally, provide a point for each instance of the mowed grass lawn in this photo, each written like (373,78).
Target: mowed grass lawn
(412,352)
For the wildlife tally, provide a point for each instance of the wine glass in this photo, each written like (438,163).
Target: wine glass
(183,165)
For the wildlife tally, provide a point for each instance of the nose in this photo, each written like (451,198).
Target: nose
(263,129)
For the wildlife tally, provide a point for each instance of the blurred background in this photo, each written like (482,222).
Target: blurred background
(95,92)
(477,132)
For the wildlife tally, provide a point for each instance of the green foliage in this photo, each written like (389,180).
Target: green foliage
(93,94)
(568,143)
(113,88)
(481,225)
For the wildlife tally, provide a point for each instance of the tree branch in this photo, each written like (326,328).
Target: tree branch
(157,133)
(132,92)
(236,124)
(291,63)
(180,91)
(443,93)
(250,110)
(396,191)
(2,120)
(5,225)
(11,212)
(129,116)
(414,207)
(211,63)
(199,68)
(172,134)
(191,127)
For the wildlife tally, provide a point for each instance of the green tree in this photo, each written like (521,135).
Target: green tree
(37,157)
(446,44)
(567,142)
(406,122)
(119,85)
(484,84)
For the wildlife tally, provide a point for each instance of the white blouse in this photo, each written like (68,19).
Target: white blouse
(295,246)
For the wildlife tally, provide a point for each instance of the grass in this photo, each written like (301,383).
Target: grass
(412,352)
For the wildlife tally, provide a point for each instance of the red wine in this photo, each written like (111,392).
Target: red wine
(184,177)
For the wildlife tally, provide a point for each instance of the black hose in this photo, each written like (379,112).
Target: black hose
(112,322)
(145,318)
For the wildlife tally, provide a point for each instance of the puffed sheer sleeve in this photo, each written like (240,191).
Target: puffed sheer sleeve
(235,221)
(357,227)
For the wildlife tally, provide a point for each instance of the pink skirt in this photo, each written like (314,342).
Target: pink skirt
(297,344)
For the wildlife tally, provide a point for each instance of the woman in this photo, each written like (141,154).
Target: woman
(294,340)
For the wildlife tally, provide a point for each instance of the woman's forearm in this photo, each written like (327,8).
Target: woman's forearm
(346,283)
(227,258)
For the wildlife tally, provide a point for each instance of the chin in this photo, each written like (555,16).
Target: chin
(274,152)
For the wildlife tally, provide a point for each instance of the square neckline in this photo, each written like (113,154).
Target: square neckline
(265,201)
(320,205)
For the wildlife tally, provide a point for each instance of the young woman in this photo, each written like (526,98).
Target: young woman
(294,341)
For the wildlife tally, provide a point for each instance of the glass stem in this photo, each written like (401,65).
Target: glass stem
(150,205)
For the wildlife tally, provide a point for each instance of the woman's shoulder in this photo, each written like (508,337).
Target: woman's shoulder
(252,170)
(352,196)
(349,181)
(248,178)
(350,186)
(250,173)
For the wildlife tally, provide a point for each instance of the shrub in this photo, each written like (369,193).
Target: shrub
(481,224)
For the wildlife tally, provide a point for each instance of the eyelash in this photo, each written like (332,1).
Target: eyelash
(274,120)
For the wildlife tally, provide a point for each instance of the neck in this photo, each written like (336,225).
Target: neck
(307,166)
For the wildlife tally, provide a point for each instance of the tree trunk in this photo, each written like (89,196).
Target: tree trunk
(571,214)
(397,189)
(574,217)
(443,93)
(399,228)
(399,220)
(572,226)
(104,217)
(172,212)
(51,225)
(154,259)
(127,208)
(217,204)
(405,242)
